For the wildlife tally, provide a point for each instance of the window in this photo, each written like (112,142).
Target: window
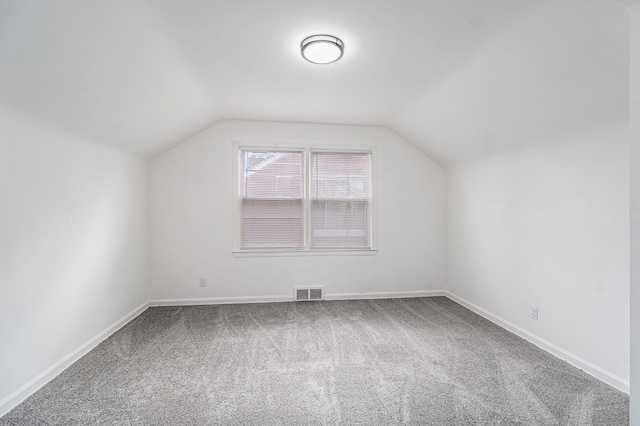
(340,199)
(272,195)
(304,200)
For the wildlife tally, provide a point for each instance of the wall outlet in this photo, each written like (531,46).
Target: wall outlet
(203,281)
(534,312)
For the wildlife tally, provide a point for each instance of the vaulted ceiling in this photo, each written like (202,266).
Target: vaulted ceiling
(456,78)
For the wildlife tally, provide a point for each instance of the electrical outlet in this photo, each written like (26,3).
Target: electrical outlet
(534,312)
(203,281)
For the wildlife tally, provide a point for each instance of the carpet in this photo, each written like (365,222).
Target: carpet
(419,361)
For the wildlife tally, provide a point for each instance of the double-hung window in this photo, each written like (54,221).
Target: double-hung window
(340,200)
(304,200)
(271,196)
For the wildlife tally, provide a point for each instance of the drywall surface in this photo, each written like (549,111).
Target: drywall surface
(634,12)
(549,227)
(73,251)
(192,219)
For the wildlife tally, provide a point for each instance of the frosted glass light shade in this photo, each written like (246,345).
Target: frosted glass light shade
(322,49)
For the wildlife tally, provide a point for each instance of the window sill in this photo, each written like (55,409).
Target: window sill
(290,253)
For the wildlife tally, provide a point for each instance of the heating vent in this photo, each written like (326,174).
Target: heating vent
(305,294)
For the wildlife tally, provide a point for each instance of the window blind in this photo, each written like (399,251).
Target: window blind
(340,200)
(271,199)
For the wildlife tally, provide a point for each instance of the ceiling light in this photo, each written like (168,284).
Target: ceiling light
(322,49)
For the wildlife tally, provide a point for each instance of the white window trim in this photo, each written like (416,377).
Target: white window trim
(306,148)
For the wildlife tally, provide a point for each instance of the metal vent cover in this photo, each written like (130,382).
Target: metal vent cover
(308,293)
(302,294)
(315,294)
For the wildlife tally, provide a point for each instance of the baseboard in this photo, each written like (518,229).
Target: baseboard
(384,295)
(269,299)
(15,398)
(592,369)
(220,300)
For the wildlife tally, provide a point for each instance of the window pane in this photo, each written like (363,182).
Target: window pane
(272,223)
(340,224)
(272,175)
(271,198)
(340,175)
(340,191)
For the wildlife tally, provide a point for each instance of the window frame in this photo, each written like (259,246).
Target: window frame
(306,249)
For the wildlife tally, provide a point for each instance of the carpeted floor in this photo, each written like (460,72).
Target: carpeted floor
(422,361)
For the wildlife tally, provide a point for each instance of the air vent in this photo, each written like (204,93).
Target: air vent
(302,294)
(307,294)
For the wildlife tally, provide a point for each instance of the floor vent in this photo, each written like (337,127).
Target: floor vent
(308,294)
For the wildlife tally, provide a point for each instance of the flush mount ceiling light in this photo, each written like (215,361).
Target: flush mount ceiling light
(322,49)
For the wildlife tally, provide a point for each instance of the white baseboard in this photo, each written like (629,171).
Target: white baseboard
(384,295)
(269,299)
(15,398)
(592,369)
(220,300)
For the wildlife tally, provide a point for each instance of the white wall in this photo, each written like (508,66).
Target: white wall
(73,250)
(634,12)
(192,200)
(549,226)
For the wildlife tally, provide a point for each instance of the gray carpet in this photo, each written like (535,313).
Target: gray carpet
(422,361)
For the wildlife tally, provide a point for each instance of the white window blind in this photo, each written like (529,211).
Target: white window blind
(340,200)
(271,196)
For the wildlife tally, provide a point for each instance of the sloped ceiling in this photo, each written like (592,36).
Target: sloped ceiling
(457,78)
